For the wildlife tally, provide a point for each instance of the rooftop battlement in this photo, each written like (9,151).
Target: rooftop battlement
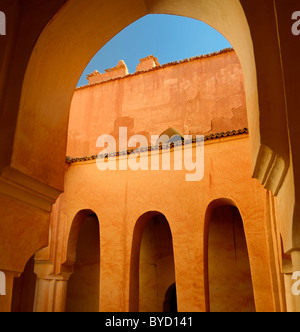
(146,64)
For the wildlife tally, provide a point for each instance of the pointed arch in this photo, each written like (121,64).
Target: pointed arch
(57,45)
(77,222)
(228,273)
(83,254)
(152,267)
(170,135)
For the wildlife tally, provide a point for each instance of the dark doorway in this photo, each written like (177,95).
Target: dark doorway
(170,304)
(24,289)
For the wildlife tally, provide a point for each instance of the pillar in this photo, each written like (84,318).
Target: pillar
(51,289)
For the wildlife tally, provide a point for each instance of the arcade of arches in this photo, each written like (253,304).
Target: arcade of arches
(73,238)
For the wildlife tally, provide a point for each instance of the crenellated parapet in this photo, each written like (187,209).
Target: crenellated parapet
(120,70)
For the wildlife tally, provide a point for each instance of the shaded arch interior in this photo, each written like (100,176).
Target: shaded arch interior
(152,267)
(228,274)
(83,292)
(24,289)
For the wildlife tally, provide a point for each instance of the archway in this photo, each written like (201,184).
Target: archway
(152,263)
(83,294)
(55,50)
(24,289)
(35,121)
(170,135)
(270,148)
(228,268)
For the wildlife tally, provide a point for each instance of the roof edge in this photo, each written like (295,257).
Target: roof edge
(158,67)
(71,160)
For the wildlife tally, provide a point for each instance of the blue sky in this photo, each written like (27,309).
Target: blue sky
(169,38)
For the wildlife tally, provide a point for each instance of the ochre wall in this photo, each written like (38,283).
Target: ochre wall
(201,96)
(120,198)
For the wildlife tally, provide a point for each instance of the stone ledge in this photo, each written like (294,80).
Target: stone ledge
(21,187)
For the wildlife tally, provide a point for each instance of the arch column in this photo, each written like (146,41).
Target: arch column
(190,261)
(51,288)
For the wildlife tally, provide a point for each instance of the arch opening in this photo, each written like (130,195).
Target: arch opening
(152,263)
(230,286)
(24,289)
(170,135)
(83,293)
(92,36)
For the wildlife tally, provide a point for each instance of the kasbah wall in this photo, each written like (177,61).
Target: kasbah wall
(120,240)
